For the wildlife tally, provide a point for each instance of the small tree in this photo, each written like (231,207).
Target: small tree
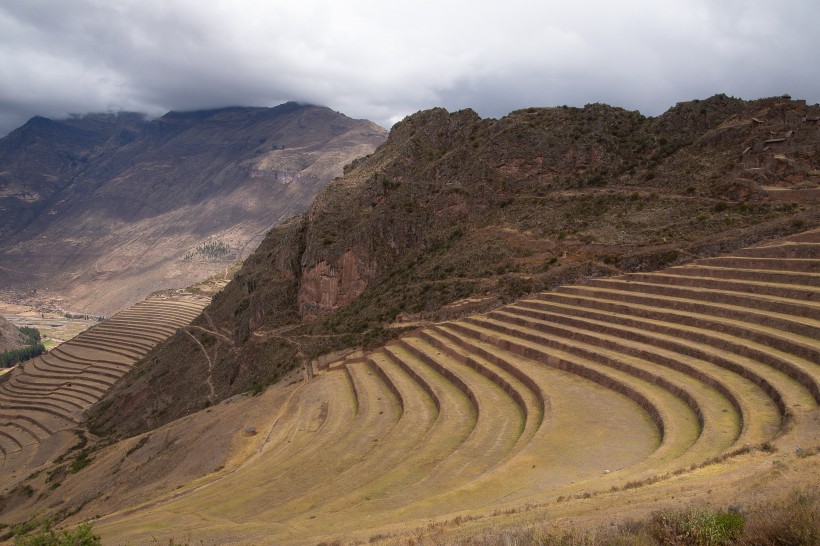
(45,535)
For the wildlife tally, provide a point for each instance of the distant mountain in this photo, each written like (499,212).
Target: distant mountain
(454,212)
(103,209)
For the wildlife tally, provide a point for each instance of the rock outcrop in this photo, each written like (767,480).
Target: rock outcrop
(326,287)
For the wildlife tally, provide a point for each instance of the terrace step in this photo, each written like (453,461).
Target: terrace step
(154,330)
(63,360)
(32,374)
(47,366)
(760,275)
(419,440)
(528,454)
(806,265)
(456,412)
(785,391)
(33,405)
(556,448)
(117,339)
(790,345)
(163,314)
(69,392)
(526,394)
(521,381)
(37,428)
(682,278)
(677,422)
(325,415)
(94,387)
(71,351)
(131,329)
(407,452)
(372,424)
(801,330)
(14,456)
(746,398)
(61,392)
(164,317)
(15,439)
(130,354)
(307,442)
(443,451)
(748,300)
(718,411)
(31,434)
(785,249)
(13,394)
(55,407)
(500,418)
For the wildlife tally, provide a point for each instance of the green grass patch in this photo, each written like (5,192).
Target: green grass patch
(41,532)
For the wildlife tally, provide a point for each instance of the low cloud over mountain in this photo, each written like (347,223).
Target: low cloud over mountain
(382,61)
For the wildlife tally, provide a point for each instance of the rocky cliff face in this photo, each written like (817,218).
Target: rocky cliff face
(103,210)
(453,206)
(325,287)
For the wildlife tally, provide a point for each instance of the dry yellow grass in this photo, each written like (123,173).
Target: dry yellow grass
(583,407)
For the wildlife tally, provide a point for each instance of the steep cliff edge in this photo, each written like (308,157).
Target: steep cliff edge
(453,206)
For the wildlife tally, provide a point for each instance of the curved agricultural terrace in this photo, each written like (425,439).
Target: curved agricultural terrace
(43,400)
(597,387)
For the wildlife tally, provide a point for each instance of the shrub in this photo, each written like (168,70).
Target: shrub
(789,521)
(793,521)
(698,527)
(12,357)
(142,441)
(80,462)
(32,335)
(257,388)
(209,249)
(42,533)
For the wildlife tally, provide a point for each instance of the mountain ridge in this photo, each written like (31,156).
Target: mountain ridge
(453,206)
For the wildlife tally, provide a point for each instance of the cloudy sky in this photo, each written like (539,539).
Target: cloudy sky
(383,59)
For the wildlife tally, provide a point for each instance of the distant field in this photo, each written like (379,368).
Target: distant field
(54,327)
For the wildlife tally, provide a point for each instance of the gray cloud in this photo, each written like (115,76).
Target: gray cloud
(384,60)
